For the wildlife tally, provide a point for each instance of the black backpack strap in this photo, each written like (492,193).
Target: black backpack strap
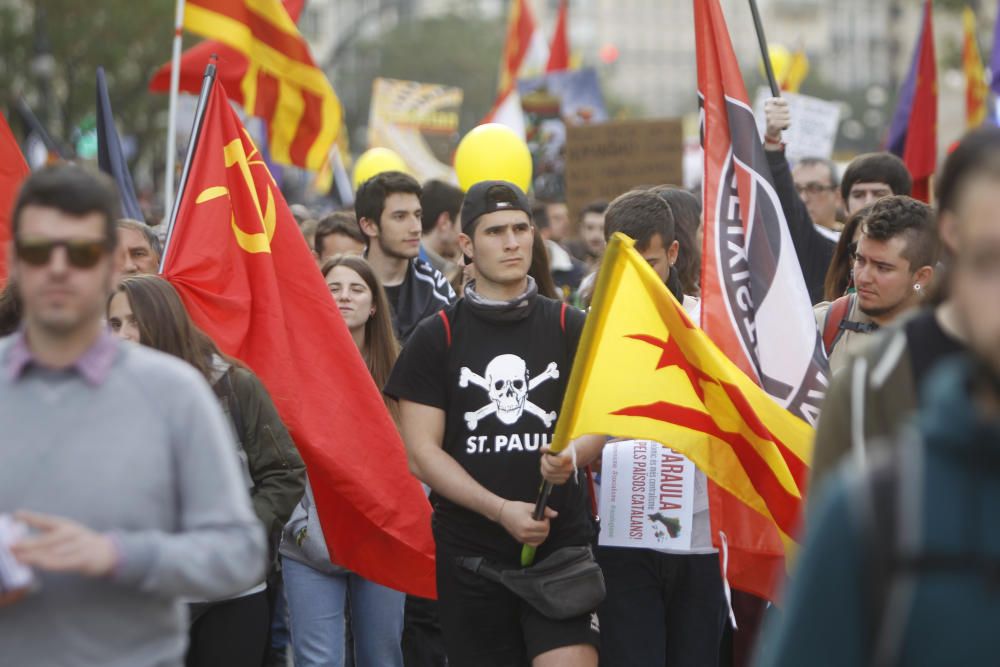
(874,508)
(889,512)
(479,565)
(833,325)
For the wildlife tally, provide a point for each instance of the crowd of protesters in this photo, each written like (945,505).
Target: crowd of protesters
(158,513)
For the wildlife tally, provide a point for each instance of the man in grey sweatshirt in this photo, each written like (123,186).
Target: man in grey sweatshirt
(116,457)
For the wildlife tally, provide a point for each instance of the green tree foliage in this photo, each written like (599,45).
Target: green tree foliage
(129,39)
(452,50)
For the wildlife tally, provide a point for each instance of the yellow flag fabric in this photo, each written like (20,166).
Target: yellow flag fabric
(976,87)
(798,70)
(645,370)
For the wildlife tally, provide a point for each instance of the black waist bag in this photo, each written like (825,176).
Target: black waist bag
(567,584)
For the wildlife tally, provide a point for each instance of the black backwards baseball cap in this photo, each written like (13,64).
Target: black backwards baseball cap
(491,196)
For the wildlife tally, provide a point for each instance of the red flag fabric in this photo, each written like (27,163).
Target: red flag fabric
(520,33)
(755,305)
(559,49)
(248,279)
(920,152)
(13,170)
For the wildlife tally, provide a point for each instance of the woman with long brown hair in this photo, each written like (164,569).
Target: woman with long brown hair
(147,310)
(365,308)
(318,590)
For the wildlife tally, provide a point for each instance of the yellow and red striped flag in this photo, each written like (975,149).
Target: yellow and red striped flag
(282,83)
(644,370)
(977,89)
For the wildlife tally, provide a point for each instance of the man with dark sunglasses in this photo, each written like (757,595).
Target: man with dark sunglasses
(115,529)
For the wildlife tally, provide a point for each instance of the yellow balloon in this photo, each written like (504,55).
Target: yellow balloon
(374,161)
(493,152)
(781,58)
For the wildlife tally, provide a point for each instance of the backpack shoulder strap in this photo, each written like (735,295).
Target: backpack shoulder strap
(881,527)
(447,326)
(832,331)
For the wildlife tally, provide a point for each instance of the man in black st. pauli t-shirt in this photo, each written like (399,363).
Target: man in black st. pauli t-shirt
(480,387)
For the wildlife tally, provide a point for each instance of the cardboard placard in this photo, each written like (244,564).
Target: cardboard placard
(603,161)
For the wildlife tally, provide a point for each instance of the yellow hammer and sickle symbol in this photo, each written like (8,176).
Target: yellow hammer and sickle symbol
(235,154)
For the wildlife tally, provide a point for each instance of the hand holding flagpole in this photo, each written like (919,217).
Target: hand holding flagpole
(577,377)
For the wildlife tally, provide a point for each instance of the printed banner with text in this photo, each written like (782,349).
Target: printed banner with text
(420,122)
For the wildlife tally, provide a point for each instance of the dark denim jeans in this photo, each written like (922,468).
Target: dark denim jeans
(661,609)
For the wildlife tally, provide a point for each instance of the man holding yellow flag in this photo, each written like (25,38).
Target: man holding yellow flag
(480,388)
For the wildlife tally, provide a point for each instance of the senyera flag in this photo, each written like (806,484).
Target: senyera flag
(248,279)
(13,170)
(232,66)
(755,305)
(977,90)
(278,79)
(645,370)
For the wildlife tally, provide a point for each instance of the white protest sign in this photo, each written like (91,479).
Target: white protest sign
(814,124)
(647,496)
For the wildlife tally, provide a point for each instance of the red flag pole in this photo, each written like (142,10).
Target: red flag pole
(764,52)
(199,115)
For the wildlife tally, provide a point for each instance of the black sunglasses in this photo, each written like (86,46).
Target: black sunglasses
(83,254)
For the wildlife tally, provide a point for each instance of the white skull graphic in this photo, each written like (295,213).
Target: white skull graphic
(507,381)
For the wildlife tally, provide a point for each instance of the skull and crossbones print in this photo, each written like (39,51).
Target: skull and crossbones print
(507,383)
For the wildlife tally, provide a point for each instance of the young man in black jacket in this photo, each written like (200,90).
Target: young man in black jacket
(389,214)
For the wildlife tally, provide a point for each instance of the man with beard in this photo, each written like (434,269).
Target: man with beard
(893,267)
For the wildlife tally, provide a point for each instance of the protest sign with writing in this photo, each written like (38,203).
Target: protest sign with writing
(814,124)
(550,103)
(420,122)
(603,161)
(647,496)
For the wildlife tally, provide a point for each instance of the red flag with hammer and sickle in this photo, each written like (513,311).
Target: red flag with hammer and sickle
(249,280)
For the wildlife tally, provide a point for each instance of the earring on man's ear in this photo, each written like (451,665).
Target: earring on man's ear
(916,287)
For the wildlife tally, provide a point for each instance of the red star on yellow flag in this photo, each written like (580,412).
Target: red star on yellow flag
(645,371)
